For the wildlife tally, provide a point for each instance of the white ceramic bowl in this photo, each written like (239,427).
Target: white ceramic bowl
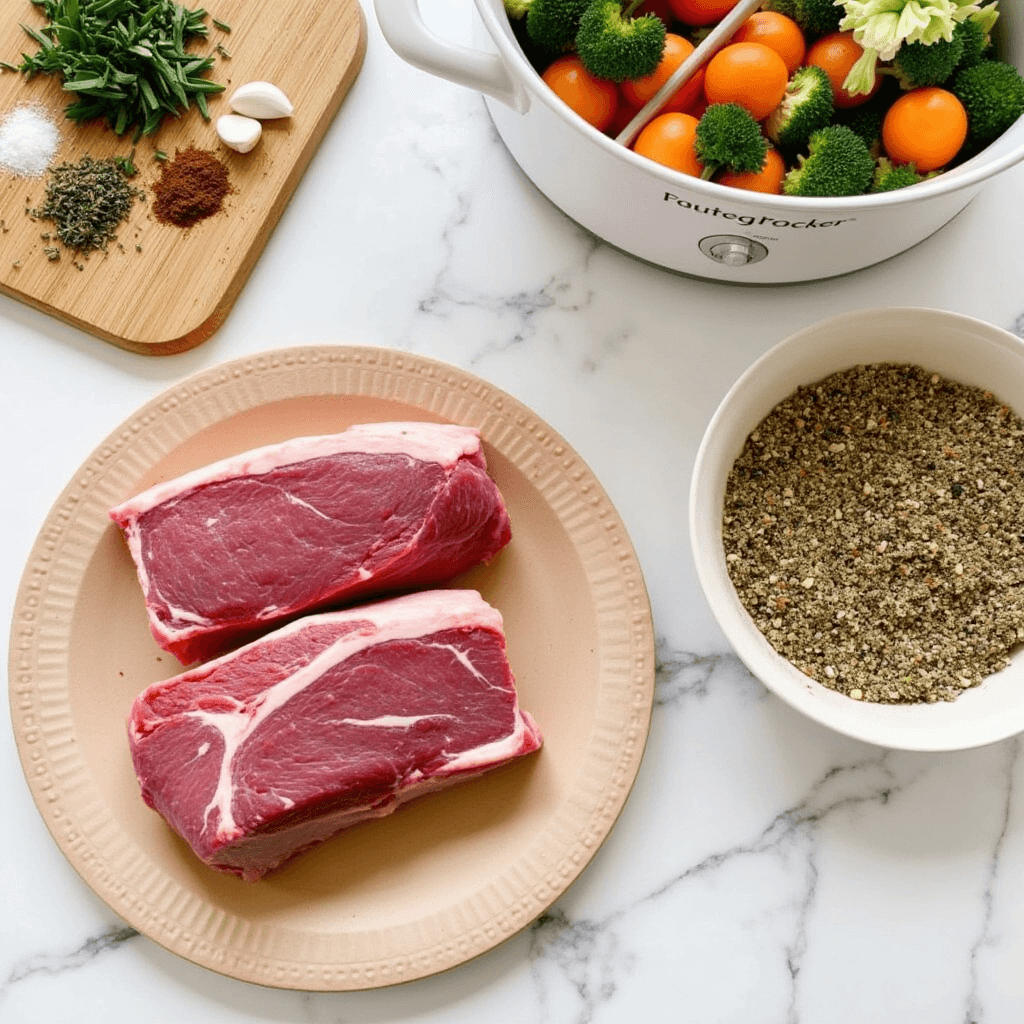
(955,346)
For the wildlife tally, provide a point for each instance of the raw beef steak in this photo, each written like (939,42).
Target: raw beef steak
(248,542)
(332,719)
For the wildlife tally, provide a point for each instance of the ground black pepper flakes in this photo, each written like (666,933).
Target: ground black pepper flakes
(191,188)
(874,529)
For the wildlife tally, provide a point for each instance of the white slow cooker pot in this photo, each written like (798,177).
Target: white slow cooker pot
(671,219)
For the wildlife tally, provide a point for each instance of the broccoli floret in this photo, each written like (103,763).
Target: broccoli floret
(815,17)
(821,17)
(728,137)
(786,7)
(837,163)
(889,176)
(929,63)
(552,24)
(612,44)
(806,107)
(992,93)
(977,43)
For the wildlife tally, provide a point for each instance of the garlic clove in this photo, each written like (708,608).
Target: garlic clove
(238,132)
(260,99)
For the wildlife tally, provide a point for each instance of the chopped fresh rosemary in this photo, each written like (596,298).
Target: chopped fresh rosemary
(126,164)
(222,25)
(124,59)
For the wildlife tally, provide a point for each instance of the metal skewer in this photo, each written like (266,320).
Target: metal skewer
(708,47)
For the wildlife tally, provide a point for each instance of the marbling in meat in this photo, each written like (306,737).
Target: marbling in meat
(237,547)
(330,720)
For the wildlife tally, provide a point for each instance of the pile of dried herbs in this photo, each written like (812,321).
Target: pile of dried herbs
(125,59)
(86,201)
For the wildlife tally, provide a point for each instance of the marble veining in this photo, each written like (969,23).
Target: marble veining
(50,964)
(987,935)
(587,955)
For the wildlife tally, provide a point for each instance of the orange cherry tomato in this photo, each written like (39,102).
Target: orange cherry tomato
(925,127)
(637,91)
(750,74)
(668,139)
(701,12)
(594,99)
(835,54)
(768,179)
(776,31)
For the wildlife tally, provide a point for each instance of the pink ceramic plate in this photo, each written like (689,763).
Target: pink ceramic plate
(447,877)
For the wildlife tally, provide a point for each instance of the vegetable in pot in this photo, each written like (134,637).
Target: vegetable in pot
(837,54)
(767,180)
(977,42)
(806,107)
(777,32)
(614,45)
(593,99)
(889,176)
(750,74)
(920,63)
(926,127)
(837,164)
(816,17)
(992,93)
(882,27)
(728,138)
(669,139)
(551,24)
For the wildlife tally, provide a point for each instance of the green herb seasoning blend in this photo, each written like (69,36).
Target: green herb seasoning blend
(874,529)
(86,201)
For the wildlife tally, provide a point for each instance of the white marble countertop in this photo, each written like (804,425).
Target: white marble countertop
(764,870)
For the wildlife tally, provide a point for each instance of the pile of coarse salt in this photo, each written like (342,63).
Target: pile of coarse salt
(28,140)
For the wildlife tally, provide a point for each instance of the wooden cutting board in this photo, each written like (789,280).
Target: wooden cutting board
(162,289)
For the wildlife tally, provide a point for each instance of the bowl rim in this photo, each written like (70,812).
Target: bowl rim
(881,724)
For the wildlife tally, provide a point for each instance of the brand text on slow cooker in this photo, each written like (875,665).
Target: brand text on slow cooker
(747,220)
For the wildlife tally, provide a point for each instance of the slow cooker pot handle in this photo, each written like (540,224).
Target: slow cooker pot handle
(409,37)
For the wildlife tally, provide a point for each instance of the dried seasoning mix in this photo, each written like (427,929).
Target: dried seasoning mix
(86,201)
(192,187)
(874,529)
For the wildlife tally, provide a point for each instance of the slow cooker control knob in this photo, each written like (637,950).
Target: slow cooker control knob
(733,254)
(732,250)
